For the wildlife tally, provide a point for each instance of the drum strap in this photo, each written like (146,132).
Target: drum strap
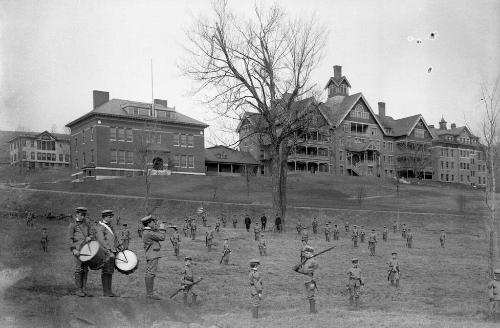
(107,227)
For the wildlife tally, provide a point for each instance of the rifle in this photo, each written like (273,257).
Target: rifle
(206,240)
(296,268)
(172,242)
(227,251)
(185,287)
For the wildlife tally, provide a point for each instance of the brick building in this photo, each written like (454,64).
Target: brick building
(118,136)
(40,150)
(347,137)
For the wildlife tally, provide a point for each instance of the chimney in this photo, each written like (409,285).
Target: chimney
(431,126)
(442,124)
(453,125)
(100,98)
(161,102)
(337,71)
(381,109)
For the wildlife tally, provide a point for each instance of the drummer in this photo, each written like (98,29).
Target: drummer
(107,238)
(151,238)
(80,232)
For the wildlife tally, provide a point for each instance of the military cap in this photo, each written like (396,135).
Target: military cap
(107,213)
(394,252)
(81,209)
(146,219)
(354,225)
(328,223)
(354,260)
(187,258)
(124,224)
(309,249)
(373,229)
(385,227)
(254,261)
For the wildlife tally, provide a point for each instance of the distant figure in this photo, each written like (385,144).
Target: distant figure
(204,219)
(394,272)
(224,221)
(355,236)
(315,226)
(256,287)
(385,232)
(336,232)
(176,241)
(187,281)
(263,222)
(235,221)
(442,238)
(209,237)
(346,226)
(262,245)
(248,222)
(362,234)
(124,236)
(403,231)
(299,227)
(372,241)
(409,238)
(225,252)
(140,228)
(217,224)
(256,231)
(355,282)
(44,240)
(394,227)
(494,292)
(193,230)
(185,227)
(327,231)
(277,223)
(305,234)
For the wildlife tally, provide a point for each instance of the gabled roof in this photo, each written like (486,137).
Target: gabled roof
(335,112)
(116,108)
(454,132)
(337,81)
(402,126)
(35,135)
(229,155)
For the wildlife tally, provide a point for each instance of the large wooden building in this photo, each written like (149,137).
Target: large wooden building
(118,136)
(347,137)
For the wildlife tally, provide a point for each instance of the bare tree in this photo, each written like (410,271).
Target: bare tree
(261,64)
(416,157)
(491,137)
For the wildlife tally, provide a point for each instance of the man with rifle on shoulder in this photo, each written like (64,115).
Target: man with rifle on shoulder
(308,267)
(188,282)
(225,252)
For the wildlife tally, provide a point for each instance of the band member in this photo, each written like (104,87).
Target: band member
(80,232)
(107,238)
(151,238)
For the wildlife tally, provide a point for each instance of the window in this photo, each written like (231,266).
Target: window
(112,134)
(92,155)
(60,157)
(129,135)
(84,161)
(66,158)
(383,145)
(76,144)
(39,156)
(340,155)
(452,153)
(113,156)
(83,138)
(24,154)
(452,165)
(44,145)
(32,155)
(419,133)
(121,134)
(183,161)
(176,139)
(44,156)
(121,157)
(183,140)
(442,164)
(33,143)
(157,137)
(91,133)
(452,177)
(446,164)
(447,177)
(442,177)
(53,157)
(177,161)
(190,140)
(190,161)
(130,157)
(467,166)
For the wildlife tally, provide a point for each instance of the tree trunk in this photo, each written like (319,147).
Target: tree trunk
(279,175)
(492,208)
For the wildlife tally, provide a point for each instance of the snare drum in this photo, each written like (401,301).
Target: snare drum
(126,262)
(93,254)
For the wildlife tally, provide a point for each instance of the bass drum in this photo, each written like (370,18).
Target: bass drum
(93,254)
(126,262)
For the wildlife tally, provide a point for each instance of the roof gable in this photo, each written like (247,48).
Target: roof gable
(224,154)
(337,81)
(424,124)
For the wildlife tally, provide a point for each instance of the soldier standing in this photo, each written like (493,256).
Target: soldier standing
(204,218)
(346,226)
(224,221)
(193,230)
(315,226)
(185,227)
(45,239)
(235,221)
(355,236)
(303,250)
(263,222)
(256,231)
(217,225)
(394,226)
(107,238)
(494,291)
(442,238)
(80,232)
(262,245)
(124,237)
(362,234)
(372,241)
(209,237)
(384,233)
(305,234)
(336,232)
(186,282)
(355,282)
(299,227)
(226,251)
(140,228)
(327,232)
(307,267)
(409,238)
(256,287)
(189,223)
(151,239)
(277,223)
(176,241)
(248,222)
(403,231)
(394,272)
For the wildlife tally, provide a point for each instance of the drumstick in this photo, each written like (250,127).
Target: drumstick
(85,254)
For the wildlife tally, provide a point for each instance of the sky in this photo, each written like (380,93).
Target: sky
(54,53)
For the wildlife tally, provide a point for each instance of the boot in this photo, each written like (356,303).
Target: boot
(104,282)
(185,299)
(84,284)
(149,288)
(78,283)
(110,282)
(312,306)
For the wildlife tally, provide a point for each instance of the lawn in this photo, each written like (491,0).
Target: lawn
(439,287)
